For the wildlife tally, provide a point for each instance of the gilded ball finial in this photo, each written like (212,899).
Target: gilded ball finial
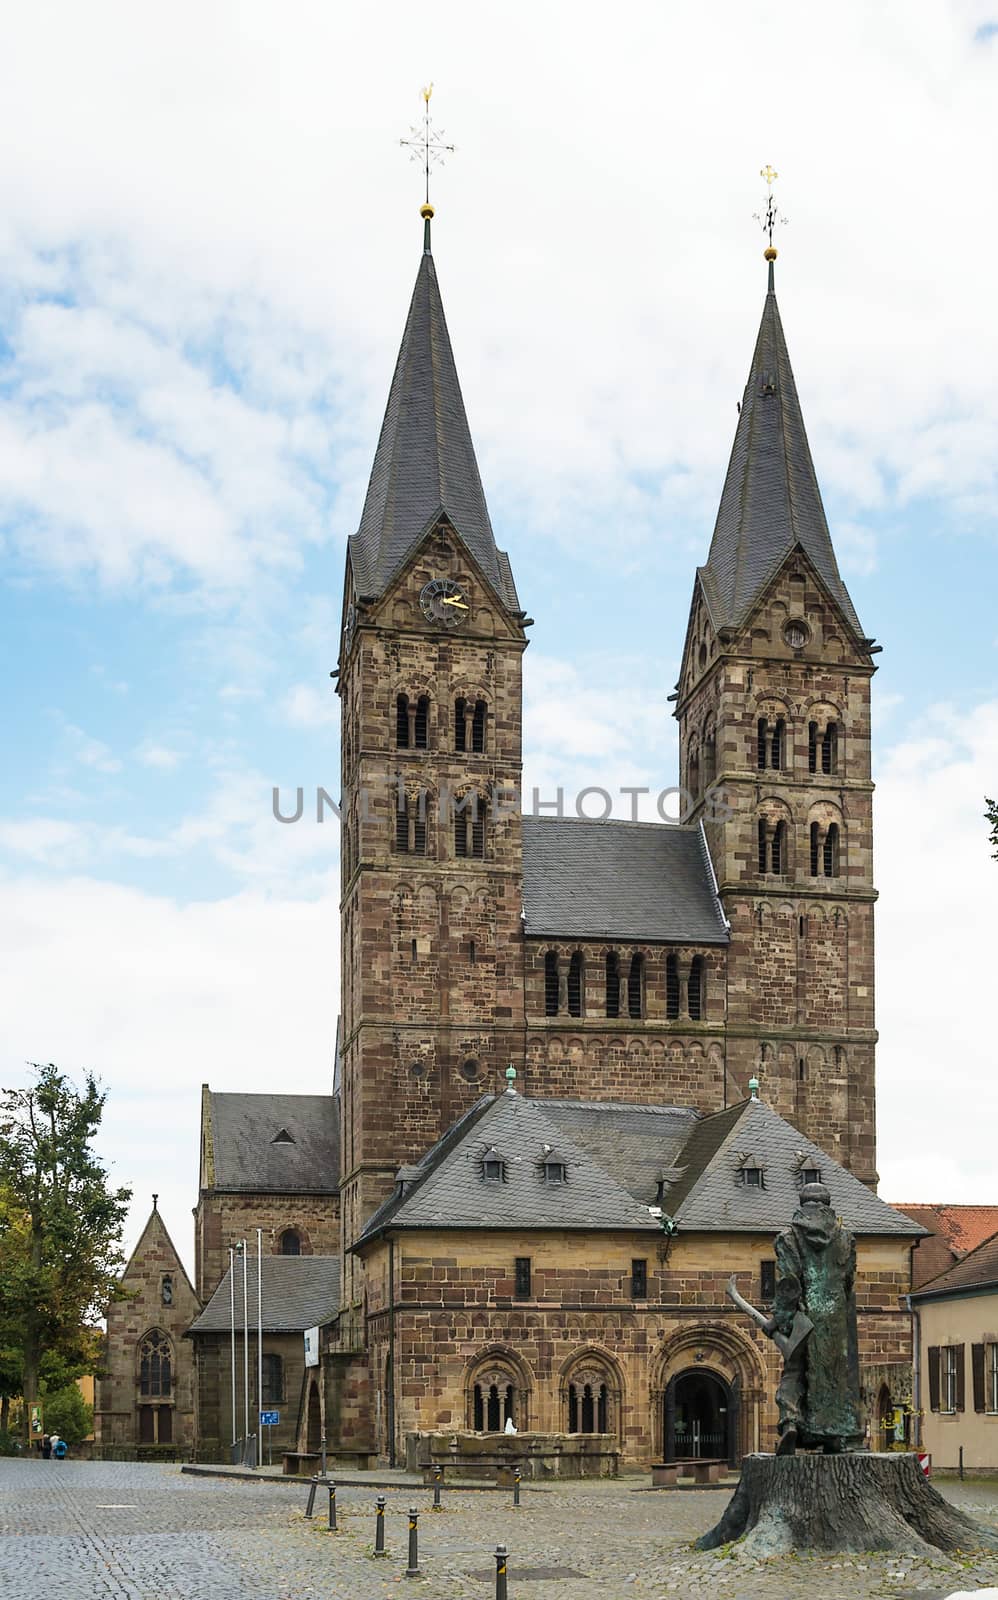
(426,212)
(770,254)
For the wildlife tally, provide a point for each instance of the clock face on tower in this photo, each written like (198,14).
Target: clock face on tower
(444,603)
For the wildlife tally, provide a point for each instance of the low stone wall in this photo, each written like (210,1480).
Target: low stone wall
(538,1455)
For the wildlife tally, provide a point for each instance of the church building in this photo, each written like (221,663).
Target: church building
(583,1067)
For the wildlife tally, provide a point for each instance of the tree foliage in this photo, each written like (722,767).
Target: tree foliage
(68,1414)
(991,817)
(60,1230)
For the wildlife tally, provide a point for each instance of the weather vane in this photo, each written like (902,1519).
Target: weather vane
(426,144)
(772,214)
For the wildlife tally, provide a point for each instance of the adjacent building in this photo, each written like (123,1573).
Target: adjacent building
(956,1318)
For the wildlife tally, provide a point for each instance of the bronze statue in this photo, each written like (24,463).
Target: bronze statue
(813,1325)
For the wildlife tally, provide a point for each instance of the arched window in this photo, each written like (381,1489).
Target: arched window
(478,729)
(422,721)
(695,989)
(762,743)
(551,983)
(671,987)
(588,1400)
(575,984)
(290,1242)
(693,769)
(155,1365)
(612,984)
(830,854)
(402,722)
(779,849)
(460,725)
(469,827)
(410,823)
(815,842)
(812,747)
(830,748)
(778,745)
(709,755)
(495,1398)
(763,842)
(273,1381)
(636,986)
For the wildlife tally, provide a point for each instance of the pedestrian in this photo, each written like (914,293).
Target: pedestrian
(46,1447)
(58,1447)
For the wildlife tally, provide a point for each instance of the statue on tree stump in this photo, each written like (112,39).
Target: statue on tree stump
(814,1327)
(836,1496)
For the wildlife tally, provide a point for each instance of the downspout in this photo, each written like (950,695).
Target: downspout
(390,1396)
(916,1361)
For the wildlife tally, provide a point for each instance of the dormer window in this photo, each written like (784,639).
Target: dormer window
(752,1177)
(493,1167)
(810,1175)
(283,1137)
(554,1170)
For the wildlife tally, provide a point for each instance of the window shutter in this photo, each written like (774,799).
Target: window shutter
(977,1367)
(960,1385)
(933,1377)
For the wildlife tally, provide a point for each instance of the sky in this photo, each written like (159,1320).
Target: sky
(208,238)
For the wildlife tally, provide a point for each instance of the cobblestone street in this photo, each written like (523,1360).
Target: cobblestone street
(85,1531)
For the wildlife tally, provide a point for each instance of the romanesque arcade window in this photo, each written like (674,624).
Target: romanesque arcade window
(410,824)
(469,726)
(588,1400)
(495,1397)
(412,722)
(469,827)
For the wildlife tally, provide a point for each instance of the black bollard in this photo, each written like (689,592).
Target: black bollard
(501,1591)
(332,1507)
(516,1486)
(310,1508)
(412,1570)
(379,1527)
(438,1474)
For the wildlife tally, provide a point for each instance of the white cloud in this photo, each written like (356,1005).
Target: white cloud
(305,707)
(160,756)
(91,752)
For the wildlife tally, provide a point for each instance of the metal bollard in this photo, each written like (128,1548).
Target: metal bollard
(323,1449)
(961,1463)
(379,1527)
(516,1486)
(438,1477)
(310,1508)
(412,1570)
(501,1590)
(332,1507)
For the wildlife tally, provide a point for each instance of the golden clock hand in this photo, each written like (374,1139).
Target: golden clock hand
(452,600)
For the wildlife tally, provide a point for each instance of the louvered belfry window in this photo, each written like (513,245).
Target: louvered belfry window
(551,983)
(402,722)
(575,976)
(696,989)
(478,728)
(422,721)
(671,987)
(636,986)
(612,984)
(460,726)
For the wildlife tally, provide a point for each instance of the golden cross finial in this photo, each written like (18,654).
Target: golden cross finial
(426,144)
(772,214)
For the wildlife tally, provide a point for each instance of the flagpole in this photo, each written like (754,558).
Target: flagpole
(259,1342)
(246,1427)
(232,1331)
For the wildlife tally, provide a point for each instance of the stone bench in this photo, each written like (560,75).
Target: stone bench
(703,1471)
(664,1474)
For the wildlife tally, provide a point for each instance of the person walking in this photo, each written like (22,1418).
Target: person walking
(46,1447)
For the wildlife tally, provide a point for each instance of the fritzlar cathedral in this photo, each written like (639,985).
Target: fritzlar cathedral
(583,1067)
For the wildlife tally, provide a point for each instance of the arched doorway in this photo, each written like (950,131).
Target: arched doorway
(699,1417)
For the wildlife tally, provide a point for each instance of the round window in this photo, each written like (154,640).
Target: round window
(796,634)
(418,1068)
(470,1071)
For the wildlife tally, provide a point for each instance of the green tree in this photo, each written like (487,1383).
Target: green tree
(60,1235)
(991,816)
(68,1414)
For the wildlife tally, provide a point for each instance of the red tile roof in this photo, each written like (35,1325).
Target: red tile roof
(978,1269)
(963,1227)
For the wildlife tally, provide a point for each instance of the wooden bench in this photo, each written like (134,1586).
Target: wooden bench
(664,1474)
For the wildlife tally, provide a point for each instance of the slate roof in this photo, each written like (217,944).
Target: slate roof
(244,1128)
(614,1156)
(770,501)
(425,461)
(711,1198)
(619,880)
(299,1292)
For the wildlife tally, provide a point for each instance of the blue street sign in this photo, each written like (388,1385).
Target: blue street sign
(270,1419)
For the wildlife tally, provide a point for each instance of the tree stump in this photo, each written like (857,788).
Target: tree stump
(850,1502)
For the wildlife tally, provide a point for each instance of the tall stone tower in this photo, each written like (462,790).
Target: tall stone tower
(773,706)
(430,680)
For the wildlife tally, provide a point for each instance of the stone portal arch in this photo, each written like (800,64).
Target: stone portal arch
(722,1354)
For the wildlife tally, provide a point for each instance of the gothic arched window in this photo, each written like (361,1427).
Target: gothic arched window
(588,1400)
(495,1398)
(155,1364)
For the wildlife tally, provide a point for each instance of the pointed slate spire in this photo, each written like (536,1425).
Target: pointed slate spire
(425,462)
(771,500)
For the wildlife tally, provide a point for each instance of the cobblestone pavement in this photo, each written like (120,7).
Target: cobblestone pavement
(86,1531)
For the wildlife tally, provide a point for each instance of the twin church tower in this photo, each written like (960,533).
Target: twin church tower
(605,961)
